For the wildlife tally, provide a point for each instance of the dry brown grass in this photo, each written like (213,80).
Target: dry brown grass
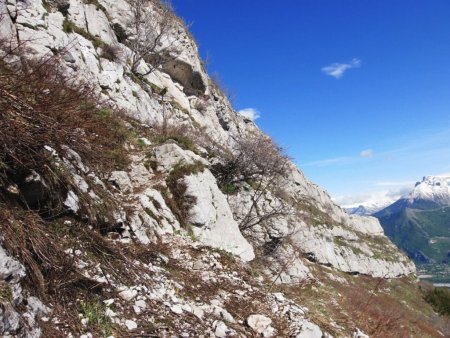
(42,109)
(41,106)
(380,307)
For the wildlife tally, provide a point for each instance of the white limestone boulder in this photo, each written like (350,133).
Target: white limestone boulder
(211,218)
(261,325)
(309,330)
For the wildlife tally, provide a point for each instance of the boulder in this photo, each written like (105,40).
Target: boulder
(169,155)
(121,180)
(211,218)
(261,325)
(309,330)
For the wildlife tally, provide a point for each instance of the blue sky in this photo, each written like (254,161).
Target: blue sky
(357,91)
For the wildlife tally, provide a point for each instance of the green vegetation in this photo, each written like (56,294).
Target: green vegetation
(226,255)
(68,26)
(381,248)
(183,141)
(94,312)
(177,200)
(145,84)
(423,234)
(180,170)
(253,272)
(5,293)
(230,188)
(151,214)
(71,27)
(439,298)
(339,241)
(313,215)
(155,88)
(176,105)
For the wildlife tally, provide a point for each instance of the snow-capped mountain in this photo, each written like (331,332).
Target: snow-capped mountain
(431,189)
(419,222)
(369,207)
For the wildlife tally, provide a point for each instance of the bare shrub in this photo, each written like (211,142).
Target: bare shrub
(50,269)
(42,109)
(154,38)
(201,104)
(110,52)
(218,86)
(261,164)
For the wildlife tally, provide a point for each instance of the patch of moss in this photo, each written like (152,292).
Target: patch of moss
(180,170)
(342,243)
(71,27)
(5,293)
(176,105)
(230,188)
(151,214)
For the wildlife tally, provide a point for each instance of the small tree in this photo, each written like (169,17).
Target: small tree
(155,39)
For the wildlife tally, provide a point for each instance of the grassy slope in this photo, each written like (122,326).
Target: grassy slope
(425,231)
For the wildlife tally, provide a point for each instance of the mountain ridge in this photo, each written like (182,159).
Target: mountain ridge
(419,222)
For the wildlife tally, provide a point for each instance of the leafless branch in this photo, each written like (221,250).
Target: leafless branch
(154,37)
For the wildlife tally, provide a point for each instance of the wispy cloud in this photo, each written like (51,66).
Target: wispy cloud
(250,113)
(395,183)
(337,70)
(444,175)
(326,162)
(339,160)
(366,153)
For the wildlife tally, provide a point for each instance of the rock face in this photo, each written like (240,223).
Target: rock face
(143,204)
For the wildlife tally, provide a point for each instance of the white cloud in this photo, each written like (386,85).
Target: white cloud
(337,70)
(443,175)
(366,153)
(250,113)
(379,198)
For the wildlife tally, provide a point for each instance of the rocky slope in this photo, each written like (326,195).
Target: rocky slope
(166,243)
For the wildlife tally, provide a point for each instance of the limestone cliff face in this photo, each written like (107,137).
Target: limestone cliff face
(314,231)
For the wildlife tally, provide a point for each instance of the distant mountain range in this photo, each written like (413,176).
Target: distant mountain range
(366,210)
(419,223)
